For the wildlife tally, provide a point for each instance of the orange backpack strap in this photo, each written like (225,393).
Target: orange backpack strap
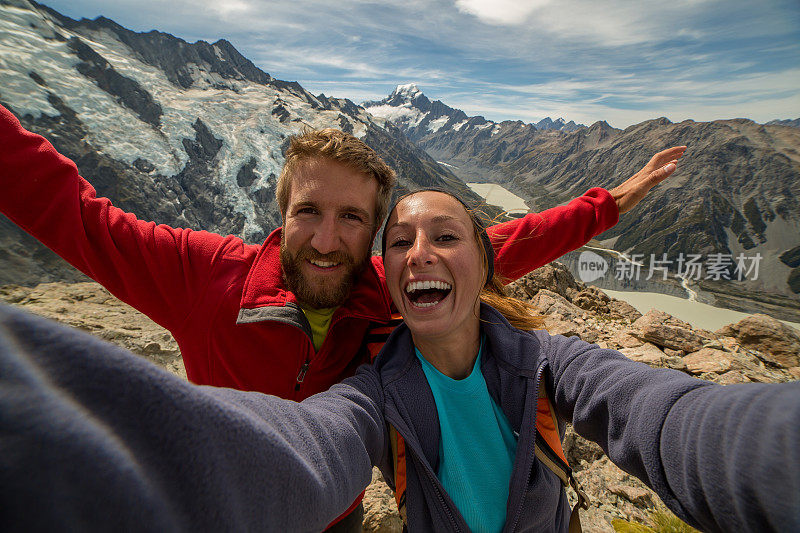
(549,451)
(399,464)
(377,334)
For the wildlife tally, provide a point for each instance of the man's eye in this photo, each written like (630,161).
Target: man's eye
(306,211)
(353,216)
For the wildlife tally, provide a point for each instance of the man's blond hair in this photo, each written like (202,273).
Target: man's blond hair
(343,148)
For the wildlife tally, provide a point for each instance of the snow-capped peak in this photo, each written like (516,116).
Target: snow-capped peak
(409,90)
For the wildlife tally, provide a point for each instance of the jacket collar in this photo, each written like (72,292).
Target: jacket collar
(264,285)
(506,345)
(510,363)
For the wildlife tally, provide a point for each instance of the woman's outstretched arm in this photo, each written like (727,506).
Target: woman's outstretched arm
(95,438)
(723,458)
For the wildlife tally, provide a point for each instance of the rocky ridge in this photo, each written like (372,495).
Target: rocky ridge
(756,349)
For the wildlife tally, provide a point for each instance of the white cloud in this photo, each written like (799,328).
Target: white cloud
(501,12)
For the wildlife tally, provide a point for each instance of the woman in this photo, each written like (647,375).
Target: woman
(99,442)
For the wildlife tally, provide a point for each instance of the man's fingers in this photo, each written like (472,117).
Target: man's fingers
(657,176)
(670,154)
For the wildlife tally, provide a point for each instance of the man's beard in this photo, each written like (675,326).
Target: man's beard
(319,294)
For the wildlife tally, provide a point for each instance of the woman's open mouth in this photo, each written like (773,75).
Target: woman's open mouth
(423,294)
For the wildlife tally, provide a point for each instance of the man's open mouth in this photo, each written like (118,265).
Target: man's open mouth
(323,264)
(427,293)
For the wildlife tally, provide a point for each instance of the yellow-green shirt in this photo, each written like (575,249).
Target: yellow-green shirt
(320,322)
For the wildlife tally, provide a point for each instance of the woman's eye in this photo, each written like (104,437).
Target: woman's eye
(447,237)
(400,242)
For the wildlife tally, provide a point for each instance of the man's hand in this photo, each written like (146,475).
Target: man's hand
(629,193)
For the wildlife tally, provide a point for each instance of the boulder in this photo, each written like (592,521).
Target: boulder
(625,340)
(666,331)
(592,299)
(380,508)
(551,304)
(767,335)
(624,310)
(732,377)
(709,360)
(646,353)
(554,277)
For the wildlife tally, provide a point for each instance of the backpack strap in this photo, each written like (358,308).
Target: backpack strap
(549,451)
(378,333)
(399,463)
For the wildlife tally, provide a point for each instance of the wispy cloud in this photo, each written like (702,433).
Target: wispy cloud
(511,59)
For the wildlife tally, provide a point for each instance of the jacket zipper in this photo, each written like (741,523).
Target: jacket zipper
(529,453)
(435,483)
(302,375)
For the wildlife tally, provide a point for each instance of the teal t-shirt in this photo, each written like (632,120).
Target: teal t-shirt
(476,451)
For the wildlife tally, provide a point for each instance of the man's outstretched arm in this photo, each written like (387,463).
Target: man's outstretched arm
(93,438)
(526,244)
(157,269)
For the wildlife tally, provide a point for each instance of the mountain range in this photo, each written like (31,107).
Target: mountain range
(736,191)
(185,134)
(193,134)
(409,109)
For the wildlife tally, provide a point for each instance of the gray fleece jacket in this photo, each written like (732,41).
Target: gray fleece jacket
(93,438)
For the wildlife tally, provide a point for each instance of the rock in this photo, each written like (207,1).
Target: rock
(646,353)
(667,331)
(795,372)
(732,377)
(579,451)
(380,508)
(555,326)
(636,495)
(89,307)
(552,304)
(708,360)
(554,277)
(626,340)
(767,335)
(623,309)
(674,353)
(675,363)
(614,494)
(592,299)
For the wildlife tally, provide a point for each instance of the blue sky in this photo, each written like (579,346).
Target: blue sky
(620,61)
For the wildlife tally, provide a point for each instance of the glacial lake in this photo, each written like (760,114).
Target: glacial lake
(698,314)
(499,196)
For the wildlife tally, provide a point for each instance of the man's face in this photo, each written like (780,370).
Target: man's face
(327,231)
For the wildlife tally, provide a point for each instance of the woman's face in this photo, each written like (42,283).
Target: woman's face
(433,264)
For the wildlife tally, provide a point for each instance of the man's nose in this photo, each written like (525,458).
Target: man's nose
(326,236)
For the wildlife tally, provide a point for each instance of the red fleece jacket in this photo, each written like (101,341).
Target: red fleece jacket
(224,301)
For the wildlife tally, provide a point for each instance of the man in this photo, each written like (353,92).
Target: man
(287,317)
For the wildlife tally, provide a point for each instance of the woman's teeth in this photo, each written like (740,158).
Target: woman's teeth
(424,294)
(423,285)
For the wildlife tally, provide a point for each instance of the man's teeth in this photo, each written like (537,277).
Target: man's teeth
(323,264)
(429,304)
(422,285)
